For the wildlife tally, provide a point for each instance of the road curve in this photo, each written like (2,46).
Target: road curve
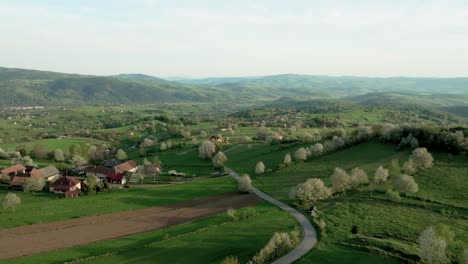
(310,236)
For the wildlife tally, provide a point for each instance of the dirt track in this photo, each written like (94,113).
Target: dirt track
(27,240)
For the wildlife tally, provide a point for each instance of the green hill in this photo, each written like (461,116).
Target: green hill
(31,88)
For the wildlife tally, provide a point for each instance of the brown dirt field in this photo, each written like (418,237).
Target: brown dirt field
(32,239)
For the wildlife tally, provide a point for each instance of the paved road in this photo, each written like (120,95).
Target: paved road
(310,236)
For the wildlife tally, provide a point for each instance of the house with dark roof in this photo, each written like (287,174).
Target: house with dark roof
(99,171)
(66,185)
(117,178)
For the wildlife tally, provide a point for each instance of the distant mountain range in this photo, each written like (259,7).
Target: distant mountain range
(21,87)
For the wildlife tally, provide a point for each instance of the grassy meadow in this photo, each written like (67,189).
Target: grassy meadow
(45,207)
(208,240)
(388,228)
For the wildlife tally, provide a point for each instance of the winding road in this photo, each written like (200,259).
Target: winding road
(310,236)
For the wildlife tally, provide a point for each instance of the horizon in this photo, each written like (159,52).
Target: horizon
(202,39)
(174,78)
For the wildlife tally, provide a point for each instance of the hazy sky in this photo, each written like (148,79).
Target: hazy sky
(238,37)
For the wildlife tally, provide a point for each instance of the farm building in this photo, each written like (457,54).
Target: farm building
(66,185)
(50,173)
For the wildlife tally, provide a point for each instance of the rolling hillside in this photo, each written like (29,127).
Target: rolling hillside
(31,88)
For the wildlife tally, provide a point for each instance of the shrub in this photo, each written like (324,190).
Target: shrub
(230,260)
(406,184)
(316,149)
(232,214)
(206,149)
(219,159)
(33,184)
(11,201)
(287,159)
(358,177)
(432,248)
(422,158)
(380,175)
(409,167)
(341,180)
(279,244)
(301,154)
(259,168)
(245,183)
(310,192)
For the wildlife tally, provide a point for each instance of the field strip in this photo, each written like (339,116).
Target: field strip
(310,236)
(38,238)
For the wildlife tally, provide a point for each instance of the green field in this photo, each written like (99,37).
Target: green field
(45,207)
(52,144)
(388,229)
(208,240)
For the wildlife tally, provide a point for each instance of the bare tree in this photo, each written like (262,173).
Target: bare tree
(310,192)
(406,184)
(259,168)
(11,201)
(206,149)
(380,175)
(341,180)
(432,248)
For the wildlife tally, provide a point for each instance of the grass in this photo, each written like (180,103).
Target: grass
(52,143)
(45,207)
(388,229)
(208,240)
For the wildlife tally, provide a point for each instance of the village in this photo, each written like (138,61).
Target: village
(71,183)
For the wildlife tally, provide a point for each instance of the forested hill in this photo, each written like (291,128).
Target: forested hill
(21,87)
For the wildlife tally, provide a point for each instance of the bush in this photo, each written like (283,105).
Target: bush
(11,201)
(230,260)
(259,168)
(358,177)
(380,175)
(245,183)
(279,244)
(310,192)
(341,180)
(406,184)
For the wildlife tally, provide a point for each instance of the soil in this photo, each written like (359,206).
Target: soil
(37,238)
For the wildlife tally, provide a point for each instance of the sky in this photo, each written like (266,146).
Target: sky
(202,38)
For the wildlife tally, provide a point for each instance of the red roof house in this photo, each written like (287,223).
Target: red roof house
(67,185)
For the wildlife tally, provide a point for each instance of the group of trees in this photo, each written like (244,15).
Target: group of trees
(434,247)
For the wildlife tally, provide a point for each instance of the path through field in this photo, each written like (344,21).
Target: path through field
(31,239)
(310,236)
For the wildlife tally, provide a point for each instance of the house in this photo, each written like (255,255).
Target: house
(99,171)
(18,169)
(17,181)
(112,163)
(128,166)
(218,139)
(50,173)
(116,178)
(66,185)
